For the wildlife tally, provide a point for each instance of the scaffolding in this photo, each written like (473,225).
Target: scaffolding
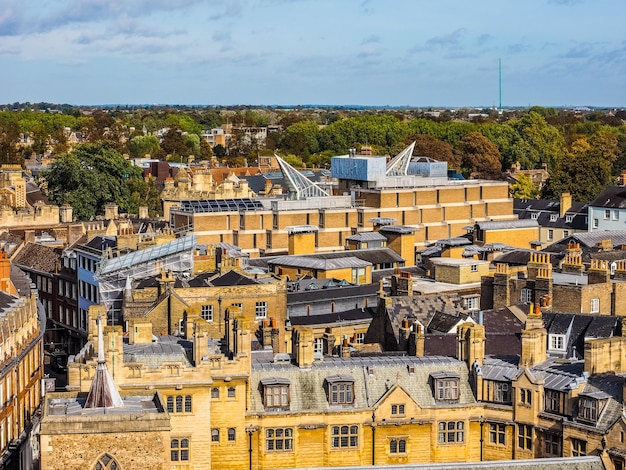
(113,274)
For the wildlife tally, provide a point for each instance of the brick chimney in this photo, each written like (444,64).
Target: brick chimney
(534,339)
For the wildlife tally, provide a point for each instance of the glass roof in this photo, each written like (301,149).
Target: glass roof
(221,205)
(149,254)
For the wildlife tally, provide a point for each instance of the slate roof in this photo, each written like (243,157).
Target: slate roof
(547,213)
(521,257)
(613,197)
(232,278)
(305,295)
(353,315)
(385,326)
(580,327)
(444,322)
(607,387)
(373,377)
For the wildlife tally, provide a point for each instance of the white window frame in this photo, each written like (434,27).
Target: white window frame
(568,218)
(472,303)
(206,312)
(554,217)
(557,342)
(615,214)
(260,310)
(595,223)
(607,214)
(550,234)
(595,306)
(526,295)
(534,215)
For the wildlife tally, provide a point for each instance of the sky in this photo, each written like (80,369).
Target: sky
(422,53)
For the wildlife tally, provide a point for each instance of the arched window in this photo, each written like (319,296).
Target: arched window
(215,435)
(106,462)
(188,404)
(231,434)
(179,403)
(215,392)
(170,404)
(231,392)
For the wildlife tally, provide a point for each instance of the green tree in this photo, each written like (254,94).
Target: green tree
(144,192)
(540,142)
(523,188)
(479,157)
(174,143)
(90,177)
(301,138)
(585,171)
(143,145)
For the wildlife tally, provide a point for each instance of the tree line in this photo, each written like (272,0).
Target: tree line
(582,153)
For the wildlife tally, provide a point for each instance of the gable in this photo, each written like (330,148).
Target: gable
(395,397)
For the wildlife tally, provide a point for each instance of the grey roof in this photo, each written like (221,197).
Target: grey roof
(506,224)
(609,388)
(398,229)
(373,377)
(166,349)
(374,256)
(311,262)
(591,239)
(612,197)
(353,315)
(135,404)
(367,237)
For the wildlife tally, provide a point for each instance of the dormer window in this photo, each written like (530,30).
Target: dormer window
(568,218)
(340,390)
(445,386)
(553,217)
(534,215)
(557,342)
(275,393)
(587,409)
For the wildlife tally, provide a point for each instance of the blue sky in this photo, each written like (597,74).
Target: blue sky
(365,52)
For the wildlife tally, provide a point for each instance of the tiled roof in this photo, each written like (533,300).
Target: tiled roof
(40,257)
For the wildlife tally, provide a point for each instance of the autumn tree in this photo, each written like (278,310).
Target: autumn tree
(479,157)
(429,146)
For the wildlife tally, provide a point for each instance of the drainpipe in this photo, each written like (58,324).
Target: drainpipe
(250,430)
(482,423)
(373,439)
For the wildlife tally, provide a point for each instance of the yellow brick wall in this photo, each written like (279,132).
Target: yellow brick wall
(426,196)
(519,238)
(436,232)
(451,195)
(431,214)
(456,212)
